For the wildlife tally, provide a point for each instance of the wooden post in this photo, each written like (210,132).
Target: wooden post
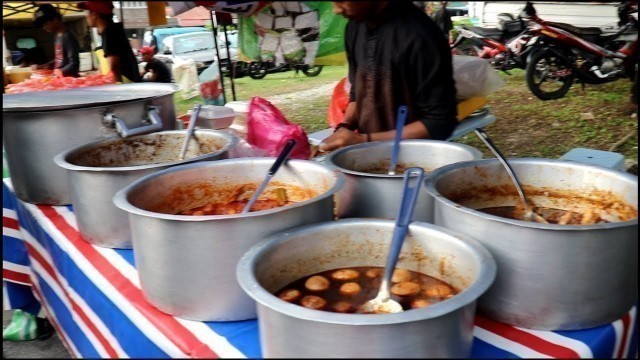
(156,14)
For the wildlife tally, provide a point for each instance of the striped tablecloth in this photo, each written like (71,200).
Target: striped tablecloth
(92,297)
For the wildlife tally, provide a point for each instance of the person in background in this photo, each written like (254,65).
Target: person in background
(117,50)
(150,40)
(154,70)
(66,48)
(443,20)
(397,56)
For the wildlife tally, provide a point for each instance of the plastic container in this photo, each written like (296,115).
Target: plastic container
(18,74)
(211,117)
(241,108)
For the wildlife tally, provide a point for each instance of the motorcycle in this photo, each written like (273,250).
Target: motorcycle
(506,47)
(259,69)
(566,53)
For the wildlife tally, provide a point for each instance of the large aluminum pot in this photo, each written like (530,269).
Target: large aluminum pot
(550,276)
(186,264)
(38,125)
(101,168)
(441,330)
(368,195)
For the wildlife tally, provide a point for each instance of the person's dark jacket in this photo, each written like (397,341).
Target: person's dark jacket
(67,54)
(403,61)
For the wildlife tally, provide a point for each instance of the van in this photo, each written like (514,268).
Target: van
(161,33)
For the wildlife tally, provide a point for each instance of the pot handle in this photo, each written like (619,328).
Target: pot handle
(151,124)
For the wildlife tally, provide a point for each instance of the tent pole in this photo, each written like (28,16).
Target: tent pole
(229,64)
(121,14)
(215,44)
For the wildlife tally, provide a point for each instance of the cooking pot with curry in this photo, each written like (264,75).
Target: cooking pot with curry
(189,220)
(309,281)
(370,192)
(553,276)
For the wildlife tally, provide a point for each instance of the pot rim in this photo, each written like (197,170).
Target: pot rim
(121,201)
(89,97)
(245,276)
(61,158)
(432,178)
(331,156)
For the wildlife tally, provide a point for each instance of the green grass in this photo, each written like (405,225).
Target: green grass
(529,127)
(271,85)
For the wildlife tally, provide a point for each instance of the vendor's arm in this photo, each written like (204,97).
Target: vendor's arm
(72,53)
(428,68)
(148,68)
(114,65)
(343,137)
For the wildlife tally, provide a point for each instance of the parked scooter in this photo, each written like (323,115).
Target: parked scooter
(260,69)
(563,54)
(506,47)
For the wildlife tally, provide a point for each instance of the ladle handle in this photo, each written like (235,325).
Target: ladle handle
(192,125)
(487,141)
(408,204)
(284,154)
(400,120)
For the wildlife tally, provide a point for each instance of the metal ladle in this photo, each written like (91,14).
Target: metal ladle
(529,214)
(192,125)
(383,303)
(284,154)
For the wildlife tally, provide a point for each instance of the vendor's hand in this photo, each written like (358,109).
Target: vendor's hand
(341,138)
(58,73)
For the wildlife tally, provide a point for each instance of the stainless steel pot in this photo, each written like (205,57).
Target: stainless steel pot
(550,276)
(442,330)
(187,263)
(38,125)
(99,169)
(378,195)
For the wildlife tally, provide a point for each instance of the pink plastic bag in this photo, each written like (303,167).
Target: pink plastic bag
(268,129)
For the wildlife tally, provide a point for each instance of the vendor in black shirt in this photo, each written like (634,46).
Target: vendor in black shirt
(116,47)
(66,48)
(397,56)
(157,70)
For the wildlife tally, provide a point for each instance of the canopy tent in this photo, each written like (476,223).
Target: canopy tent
(19,11)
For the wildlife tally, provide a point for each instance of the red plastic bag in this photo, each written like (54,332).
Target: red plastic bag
(268,129)
(339,102)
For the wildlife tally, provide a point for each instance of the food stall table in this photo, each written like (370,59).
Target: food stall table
(92,297)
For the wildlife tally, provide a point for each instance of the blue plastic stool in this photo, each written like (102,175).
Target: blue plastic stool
(476,120)
(607,159)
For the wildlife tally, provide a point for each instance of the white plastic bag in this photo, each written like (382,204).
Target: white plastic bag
(244,149)
(186,75)
(210,87)
(474,77)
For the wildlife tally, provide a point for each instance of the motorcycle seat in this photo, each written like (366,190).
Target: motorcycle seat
(488,32)
(580,31)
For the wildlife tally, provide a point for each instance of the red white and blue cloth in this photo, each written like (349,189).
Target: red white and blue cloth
(92,297)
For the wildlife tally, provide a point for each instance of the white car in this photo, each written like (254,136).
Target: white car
(197,46)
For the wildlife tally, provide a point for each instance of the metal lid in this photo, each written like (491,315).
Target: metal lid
(84,97)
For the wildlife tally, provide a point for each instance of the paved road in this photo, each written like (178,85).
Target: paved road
(51,348)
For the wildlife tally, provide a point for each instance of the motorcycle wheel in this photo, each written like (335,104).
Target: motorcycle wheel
(548,75)
(257,71)
(312,70)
